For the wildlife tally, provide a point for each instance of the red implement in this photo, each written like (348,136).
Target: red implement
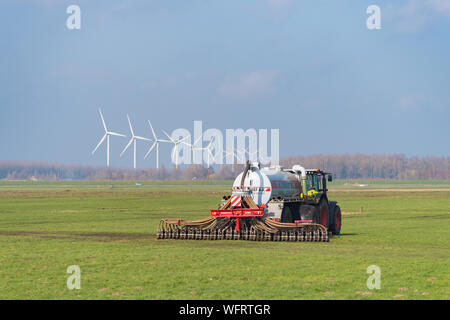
(237,212)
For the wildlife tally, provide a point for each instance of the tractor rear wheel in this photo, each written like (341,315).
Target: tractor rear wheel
(336,227)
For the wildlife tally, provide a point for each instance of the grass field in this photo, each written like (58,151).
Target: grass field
(108,229)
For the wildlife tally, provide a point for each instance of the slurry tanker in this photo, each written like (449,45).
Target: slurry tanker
(266,204)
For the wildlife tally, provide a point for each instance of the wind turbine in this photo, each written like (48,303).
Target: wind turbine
(250,154)
(208,149)
(233,156)
(106,136)
(192,146)
(176,143)
(156,143)
(240,157)
(133,140)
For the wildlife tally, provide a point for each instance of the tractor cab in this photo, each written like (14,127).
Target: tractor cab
(316,182)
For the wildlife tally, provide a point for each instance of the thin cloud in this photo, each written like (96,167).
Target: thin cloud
(416,15)
(279,3)
(279,9)
(442,6)
(249,85)
(416,101)
(52,3)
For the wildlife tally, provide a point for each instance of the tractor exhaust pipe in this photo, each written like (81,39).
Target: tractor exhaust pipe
(302,171)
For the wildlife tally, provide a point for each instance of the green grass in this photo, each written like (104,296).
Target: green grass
(110,234)
(390,184)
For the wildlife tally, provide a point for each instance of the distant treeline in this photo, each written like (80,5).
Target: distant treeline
(386,166)
(18,170)
(346,166)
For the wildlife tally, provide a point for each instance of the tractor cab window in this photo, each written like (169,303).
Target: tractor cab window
(309,182)
(312,182)
(320,182)
(316,182)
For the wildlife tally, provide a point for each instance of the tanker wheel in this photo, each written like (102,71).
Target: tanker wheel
(322,214)
(286,215)
(336,228)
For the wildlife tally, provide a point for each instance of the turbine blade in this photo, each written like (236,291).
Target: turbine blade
(196,141)
(210,142)
(142,138)
(171,140)
(173,152)
(153,131)
(116,134)
(126,147)
(103,120)
(150,150)
(181,140)
(131,128)
(98,145)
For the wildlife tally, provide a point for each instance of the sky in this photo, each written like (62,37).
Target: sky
(310,68)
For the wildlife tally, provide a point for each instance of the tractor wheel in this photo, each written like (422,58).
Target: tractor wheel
(336,228)
(322,214)
(286,215)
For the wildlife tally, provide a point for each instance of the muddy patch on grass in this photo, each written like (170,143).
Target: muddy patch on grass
(81,236)
(438,216)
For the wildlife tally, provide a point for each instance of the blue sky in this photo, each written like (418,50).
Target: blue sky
(310,68)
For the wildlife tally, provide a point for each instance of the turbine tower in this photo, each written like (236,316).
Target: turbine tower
(156,143)
(106,136)
(176,143)
(133,140)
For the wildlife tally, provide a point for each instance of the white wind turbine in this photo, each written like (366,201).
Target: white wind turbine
(233,156)
(133,140)
(176,143)
(156,143)
(208,149)
(250,154)
(106,136)
(193,148)
(240,156)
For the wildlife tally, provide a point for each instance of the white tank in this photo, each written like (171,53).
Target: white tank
(268,183)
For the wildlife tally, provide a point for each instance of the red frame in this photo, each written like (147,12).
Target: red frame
(172,219)
(299,222)
(238,212)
